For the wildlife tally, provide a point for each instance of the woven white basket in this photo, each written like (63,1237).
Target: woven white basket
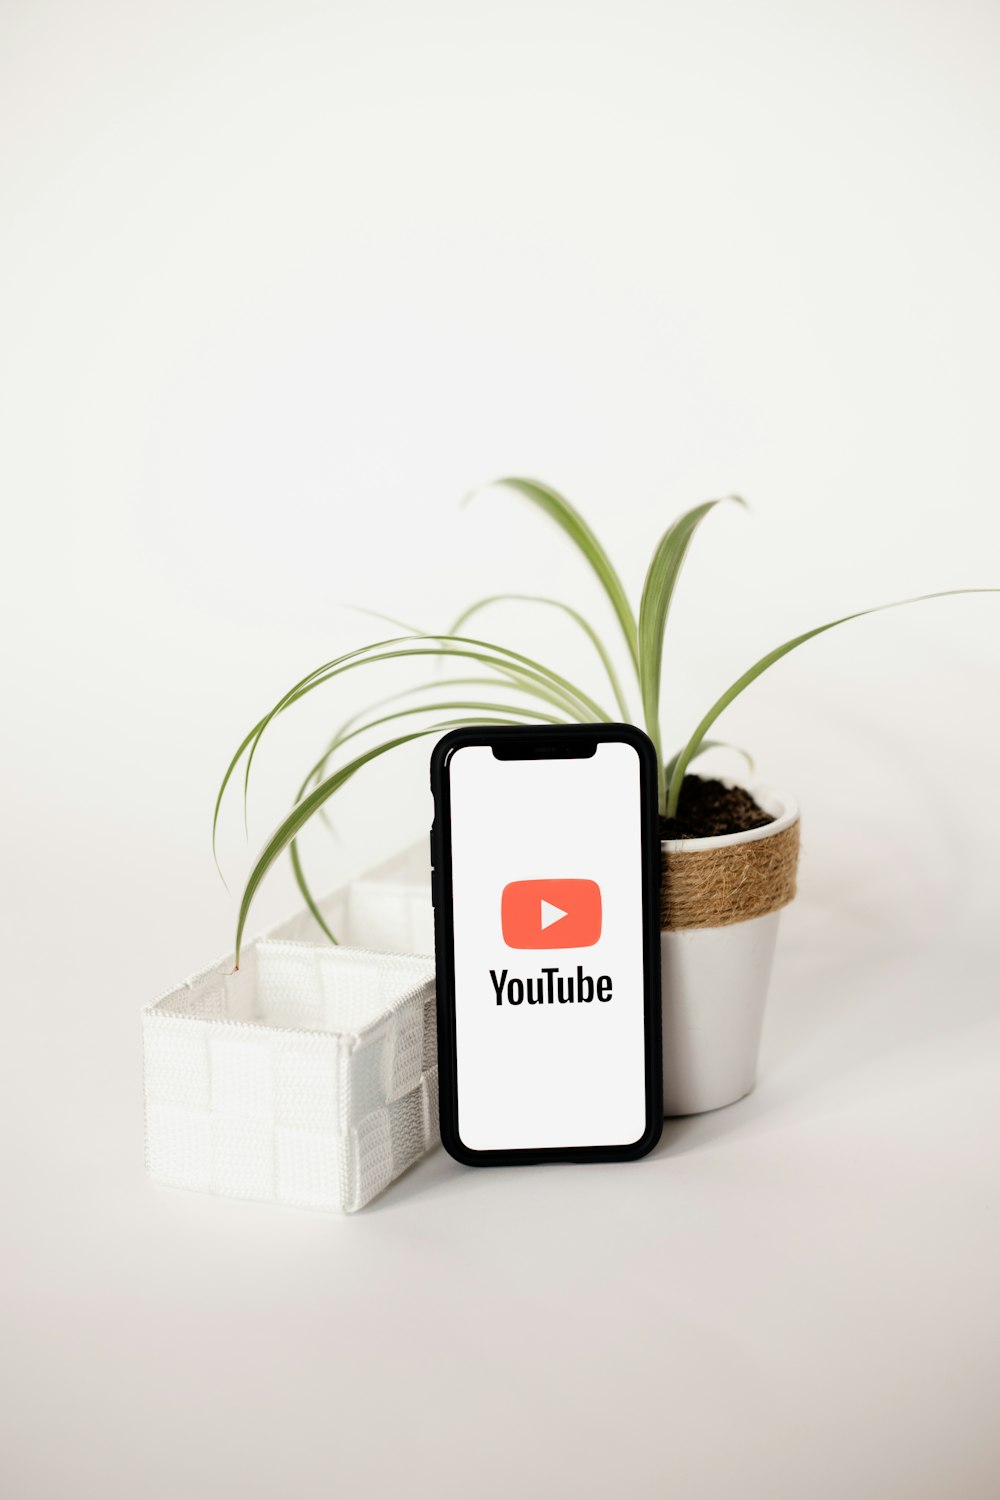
(310,1076)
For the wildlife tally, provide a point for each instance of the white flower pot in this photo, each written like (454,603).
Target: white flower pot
(715,983)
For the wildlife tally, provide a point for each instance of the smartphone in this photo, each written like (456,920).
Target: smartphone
(545,854)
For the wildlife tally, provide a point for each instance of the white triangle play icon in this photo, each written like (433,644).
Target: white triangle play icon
(551,914)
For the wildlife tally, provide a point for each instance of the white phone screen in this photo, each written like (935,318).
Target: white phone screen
(546,860)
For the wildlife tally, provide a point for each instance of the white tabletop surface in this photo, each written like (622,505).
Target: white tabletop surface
(793,1296)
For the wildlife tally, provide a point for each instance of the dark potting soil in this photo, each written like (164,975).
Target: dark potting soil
(707,808)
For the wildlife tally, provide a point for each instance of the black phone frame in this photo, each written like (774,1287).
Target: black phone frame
(534,742)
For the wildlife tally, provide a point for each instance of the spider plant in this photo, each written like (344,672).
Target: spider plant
(511,687)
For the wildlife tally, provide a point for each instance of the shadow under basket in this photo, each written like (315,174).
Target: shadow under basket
(310,1076)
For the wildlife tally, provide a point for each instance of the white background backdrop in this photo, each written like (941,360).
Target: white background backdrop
(278,284)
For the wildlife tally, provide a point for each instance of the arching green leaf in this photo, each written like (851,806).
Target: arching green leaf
(303,885)
(292,825)
(690,749)
(573,614)
(703,749)
(572,523)
(531,677)
(657,593)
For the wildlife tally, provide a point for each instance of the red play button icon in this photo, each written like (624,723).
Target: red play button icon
(551,913)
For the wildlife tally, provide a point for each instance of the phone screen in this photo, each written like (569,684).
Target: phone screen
(547,911)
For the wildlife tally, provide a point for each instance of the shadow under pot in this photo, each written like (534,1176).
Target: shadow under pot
(720,900)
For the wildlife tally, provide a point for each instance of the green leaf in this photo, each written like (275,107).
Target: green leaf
(378,614)
(425,708)
(552,687)
(569,519)
(435,685)
(543,680)
(316,772)
(703,749)
(657,593)
(296,821)
(685,757)
(222,792)
(303,885)
(300,814)
(567,609)
(532,714)
(531,677)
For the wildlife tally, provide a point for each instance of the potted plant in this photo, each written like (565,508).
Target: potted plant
(729,854)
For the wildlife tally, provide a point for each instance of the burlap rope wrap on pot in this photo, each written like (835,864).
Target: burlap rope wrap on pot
(716,887)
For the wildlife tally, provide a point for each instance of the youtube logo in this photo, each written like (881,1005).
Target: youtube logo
(551,913)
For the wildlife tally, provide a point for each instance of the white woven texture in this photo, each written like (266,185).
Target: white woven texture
(308,1078)
(387,909)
